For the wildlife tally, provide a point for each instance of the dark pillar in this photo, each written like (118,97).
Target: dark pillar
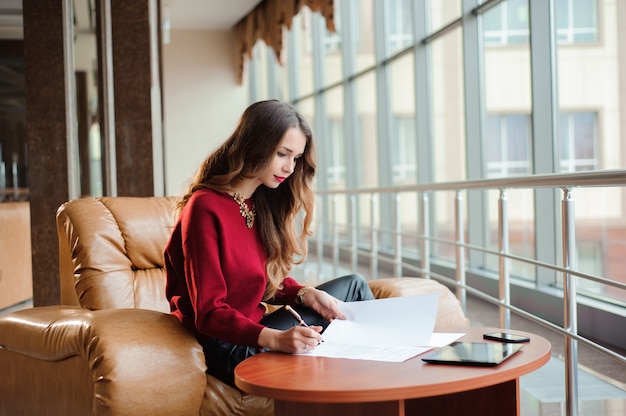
(137,96)
(47,135)
(84,124)
(51,115)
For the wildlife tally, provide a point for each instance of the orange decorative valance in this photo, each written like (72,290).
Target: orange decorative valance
(266,22)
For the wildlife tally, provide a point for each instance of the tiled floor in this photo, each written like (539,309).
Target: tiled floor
(601,380)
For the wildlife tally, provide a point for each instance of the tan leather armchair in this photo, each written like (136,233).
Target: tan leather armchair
(111,347)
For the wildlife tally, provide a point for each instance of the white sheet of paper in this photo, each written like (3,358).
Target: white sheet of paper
(380,352)
(390,329)
(404,320)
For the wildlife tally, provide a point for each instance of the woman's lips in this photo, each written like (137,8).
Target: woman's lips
(280,179)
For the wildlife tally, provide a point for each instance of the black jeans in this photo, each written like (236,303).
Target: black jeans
(222,357)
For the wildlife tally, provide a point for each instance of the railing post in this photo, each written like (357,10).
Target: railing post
(570,320)
(320,240)
(335,238)
(398,236)
(460,251)
(425,231)
(503,247)
(353,236)
(373,238)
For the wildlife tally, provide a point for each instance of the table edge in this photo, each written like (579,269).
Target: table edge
(398,393)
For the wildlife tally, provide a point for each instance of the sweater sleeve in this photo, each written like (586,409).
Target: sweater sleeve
(287,295)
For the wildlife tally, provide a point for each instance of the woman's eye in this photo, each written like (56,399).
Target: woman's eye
(281,154)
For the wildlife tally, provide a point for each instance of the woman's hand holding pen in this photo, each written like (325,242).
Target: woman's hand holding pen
(303,338)
(298,339)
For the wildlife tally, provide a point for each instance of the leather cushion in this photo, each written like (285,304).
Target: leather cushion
(449,311)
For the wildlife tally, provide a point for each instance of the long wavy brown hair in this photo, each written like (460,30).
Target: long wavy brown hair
(245,154)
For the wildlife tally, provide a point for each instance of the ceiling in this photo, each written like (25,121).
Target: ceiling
(206,14)
(182,14)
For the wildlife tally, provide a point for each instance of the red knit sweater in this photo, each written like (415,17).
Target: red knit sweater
(215,269)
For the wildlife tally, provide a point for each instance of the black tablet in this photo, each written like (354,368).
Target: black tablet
(472,353)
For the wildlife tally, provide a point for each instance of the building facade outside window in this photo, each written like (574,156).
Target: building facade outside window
(392,106)
(577,22)
(508,141)
(578,142)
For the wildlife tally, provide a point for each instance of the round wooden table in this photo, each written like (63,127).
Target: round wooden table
(309,386)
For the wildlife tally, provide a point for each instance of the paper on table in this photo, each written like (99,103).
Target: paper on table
(381,352)
(393,353)
(390,329)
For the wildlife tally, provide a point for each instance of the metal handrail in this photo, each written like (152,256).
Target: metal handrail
(565,182)
(605,178)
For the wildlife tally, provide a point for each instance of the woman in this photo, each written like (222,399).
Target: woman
(236,239)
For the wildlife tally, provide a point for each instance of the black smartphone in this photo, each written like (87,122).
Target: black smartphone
(505,337)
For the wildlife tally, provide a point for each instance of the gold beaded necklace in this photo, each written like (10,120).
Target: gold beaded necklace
(244,210)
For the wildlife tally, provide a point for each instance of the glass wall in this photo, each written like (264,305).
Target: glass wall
(590,56)
(416,92)
(508,124)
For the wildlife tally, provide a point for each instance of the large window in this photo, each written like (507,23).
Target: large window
(403,150)
(400,24)
(473,95)
(507,24)
(576,20)
(448,118)
(403,140)
(442,12)
(333,44)
(508,139)
(362,35)
(366,161)
(302,61)
(336,166)
(578,142)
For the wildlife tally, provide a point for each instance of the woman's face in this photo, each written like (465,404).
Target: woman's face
(290,148)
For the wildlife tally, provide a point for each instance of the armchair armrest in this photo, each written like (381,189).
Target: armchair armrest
(133,355)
